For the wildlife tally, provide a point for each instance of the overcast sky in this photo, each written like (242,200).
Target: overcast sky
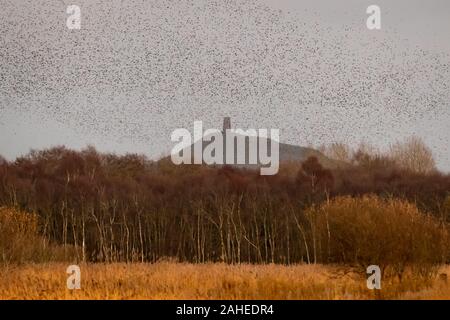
(139,69)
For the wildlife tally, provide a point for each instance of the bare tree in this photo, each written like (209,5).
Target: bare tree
(338,151)
(413,155)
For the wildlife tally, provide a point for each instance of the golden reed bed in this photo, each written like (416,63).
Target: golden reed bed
(168,280)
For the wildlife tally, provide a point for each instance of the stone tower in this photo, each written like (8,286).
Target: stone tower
(226,124)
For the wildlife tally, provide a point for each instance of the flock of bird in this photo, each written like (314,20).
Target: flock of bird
(139,69)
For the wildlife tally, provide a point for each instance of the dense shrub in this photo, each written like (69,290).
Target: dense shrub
(20,242)
(390,233)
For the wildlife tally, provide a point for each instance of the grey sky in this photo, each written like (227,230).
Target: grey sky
(139,69)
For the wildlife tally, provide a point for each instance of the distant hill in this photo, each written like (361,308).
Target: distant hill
(287,152)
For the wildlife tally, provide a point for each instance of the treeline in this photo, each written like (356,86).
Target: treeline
(127,208)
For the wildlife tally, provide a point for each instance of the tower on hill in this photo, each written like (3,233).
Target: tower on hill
(226,124)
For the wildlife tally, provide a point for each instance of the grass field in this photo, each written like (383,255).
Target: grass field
(167,280)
